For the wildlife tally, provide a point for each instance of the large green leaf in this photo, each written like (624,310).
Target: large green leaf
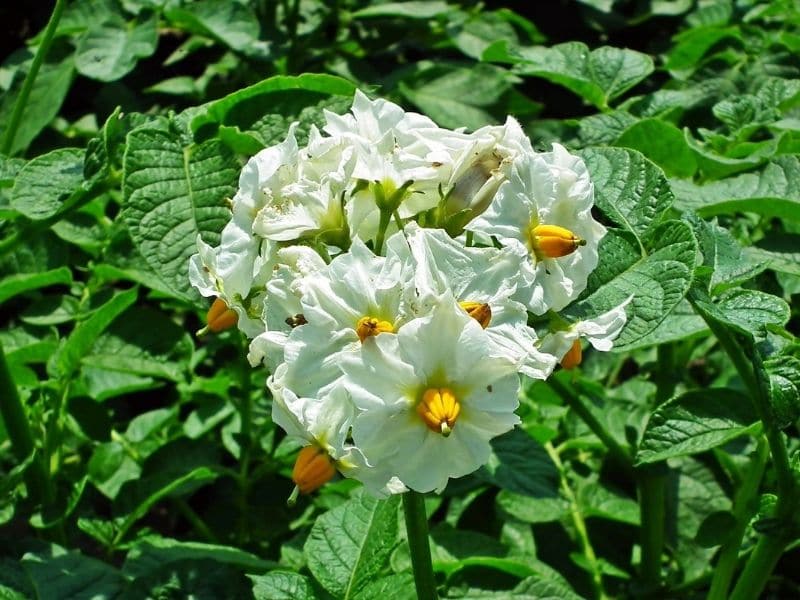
(66,361)
(282,585)
(520,464)
(57,573)
(260,115)
(413,9)
(47,94)
(44,182)
(14,285)
(770,192)
(663,143)
(232,24)
(629,188)
(350,545)
(173,193)
(695,422)
(111,48)
(598,75)
(151,553)
(657,281)
(781,251)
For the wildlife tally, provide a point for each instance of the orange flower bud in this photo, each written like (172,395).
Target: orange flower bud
(220,317)
(313,468)
(573,356)
(552,241)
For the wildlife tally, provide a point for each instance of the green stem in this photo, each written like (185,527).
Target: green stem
(574,401)
(417,530)
(246,417)
(19,433)
(579,523)
(759,567)
(27,85)
(197,523)
(383,224)
(664,376)
(651,481)
(744,505)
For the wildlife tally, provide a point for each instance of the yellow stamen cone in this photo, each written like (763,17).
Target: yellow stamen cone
(479,311)
(439,409)
(552,241)
(370,326)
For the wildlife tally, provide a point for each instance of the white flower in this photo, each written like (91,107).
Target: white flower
(599,331)
(482,280)
(301,190)
(430,398)
(547,192)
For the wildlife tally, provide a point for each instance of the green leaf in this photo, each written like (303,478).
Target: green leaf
(67,360)
(693,44)
(604,128)
(408,10)
(663,143)
(232,24)
(784,377)
(144,342)
(596,500)
(716,529)
(282,585)
(14,285)
(532,510)
(110,467)
(629,189)
(657,281)
(350,545)
(598,76)
(532,588)
(399,586)
(173,194)
(110,49)
(722,253)
(260,115)
(44,182)
(681,324)
(753,310)
(694,422)
(770,192)
(457,96)
(151,553)
(520,464)
(49,90)
(57,573)
(781,251)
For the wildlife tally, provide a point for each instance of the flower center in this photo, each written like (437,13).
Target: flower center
(479,311)
(552,241)
(573,356)
(371,326)
(439,409)
(219,317)
(313,468)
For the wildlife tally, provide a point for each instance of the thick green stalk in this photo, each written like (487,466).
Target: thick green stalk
(759,567)
(19,433)
(651,480)
(744,505)
(383,224)
(417,530)
(27,85)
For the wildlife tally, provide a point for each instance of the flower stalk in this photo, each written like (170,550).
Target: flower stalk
(417,531)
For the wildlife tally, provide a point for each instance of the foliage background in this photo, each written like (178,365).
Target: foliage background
(157,470)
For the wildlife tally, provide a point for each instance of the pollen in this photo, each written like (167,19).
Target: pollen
(313,468)
(553,241)
(439,409)
(479,311)
(372,326)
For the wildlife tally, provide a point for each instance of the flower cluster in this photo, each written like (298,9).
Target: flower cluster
(388,274)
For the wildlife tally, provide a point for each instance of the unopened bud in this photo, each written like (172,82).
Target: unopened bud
(476,187)
(313,468)
(573,356)
(219,318)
